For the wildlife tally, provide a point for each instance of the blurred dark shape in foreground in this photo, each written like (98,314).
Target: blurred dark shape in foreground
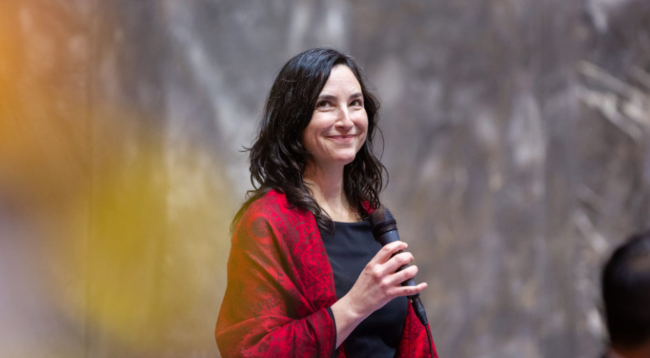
(626,296)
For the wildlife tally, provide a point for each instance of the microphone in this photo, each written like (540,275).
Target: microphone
(384,229)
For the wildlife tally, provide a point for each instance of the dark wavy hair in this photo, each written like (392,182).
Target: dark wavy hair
(278,157)
(626,293)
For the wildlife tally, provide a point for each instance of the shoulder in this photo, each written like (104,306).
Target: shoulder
(271,226)
(270,206)
(273,210)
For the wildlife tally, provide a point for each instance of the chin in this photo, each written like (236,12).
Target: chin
(346,160)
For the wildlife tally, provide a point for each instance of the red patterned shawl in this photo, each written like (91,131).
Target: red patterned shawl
(280,284)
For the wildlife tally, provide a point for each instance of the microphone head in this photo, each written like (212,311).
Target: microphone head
(382,221)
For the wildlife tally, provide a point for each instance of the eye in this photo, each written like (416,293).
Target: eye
(357,103)
(323,104)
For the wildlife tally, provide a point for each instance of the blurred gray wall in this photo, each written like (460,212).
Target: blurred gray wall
(516,137)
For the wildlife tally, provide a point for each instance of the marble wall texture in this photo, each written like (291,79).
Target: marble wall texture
(516,133)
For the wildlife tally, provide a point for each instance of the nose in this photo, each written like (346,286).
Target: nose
(344,121)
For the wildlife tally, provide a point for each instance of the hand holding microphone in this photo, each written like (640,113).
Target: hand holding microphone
(384,229)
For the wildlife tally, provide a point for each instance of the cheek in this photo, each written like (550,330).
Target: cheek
(315,126)
(364,126)
(310,138)
(362,141)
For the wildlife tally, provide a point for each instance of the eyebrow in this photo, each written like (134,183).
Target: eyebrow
(330,97)
(356,95)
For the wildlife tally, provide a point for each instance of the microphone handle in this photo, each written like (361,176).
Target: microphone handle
(392,236)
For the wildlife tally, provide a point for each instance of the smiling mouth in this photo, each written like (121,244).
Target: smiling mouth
(341,137)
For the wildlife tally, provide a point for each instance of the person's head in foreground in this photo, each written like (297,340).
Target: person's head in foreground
(626,298)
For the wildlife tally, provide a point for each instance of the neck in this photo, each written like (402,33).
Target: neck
(326,186)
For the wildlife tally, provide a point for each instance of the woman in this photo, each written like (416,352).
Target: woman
(305,276)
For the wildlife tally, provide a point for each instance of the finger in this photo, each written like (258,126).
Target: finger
(408,290)
(399,277)
(387,251)
(396,262)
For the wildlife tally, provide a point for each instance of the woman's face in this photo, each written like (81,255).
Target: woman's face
(339,124)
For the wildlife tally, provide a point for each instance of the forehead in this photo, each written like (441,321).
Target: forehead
(342,79)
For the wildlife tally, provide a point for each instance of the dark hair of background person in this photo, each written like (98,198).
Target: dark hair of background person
(626,293)
(278,157)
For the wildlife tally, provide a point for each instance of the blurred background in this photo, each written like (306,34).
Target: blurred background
(516,134)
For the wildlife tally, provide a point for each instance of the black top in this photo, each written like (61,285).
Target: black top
(349,250)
